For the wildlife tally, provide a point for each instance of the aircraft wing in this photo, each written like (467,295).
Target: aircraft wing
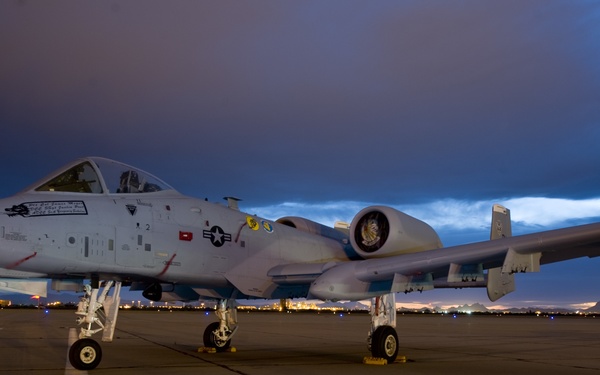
(31,287)
(458,266)
(30,283)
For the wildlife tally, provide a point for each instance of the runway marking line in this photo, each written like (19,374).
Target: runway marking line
(69,369)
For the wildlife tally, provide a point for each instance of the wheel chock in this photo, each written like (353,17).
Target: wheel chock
(374,361)
(205,349)
(383,361)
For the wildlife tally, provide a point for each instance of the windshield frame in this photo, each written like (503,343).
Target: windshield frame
(100,176)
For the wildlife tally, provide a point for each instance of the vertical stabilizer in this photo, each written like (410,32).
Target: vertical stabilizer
(500,283)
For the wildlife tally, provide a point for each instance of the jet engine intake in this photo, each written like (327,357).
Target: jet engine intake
(380,231)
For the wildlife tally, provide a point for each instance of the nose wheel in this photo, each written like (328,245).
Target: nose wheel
(85,354)
(96,312)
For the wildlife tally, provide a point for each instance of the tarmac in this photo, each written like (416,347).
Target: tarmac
(153,342)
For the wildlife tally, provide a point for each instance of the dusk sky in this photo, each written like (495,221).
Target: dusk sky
(319,108)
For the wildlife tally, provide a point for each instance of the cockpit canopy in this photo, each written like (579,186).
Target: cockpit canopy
(102,176)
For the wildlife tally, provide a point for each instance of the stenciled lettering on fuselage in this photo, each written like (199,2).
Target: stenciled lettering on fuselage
(217,236)
(47,208)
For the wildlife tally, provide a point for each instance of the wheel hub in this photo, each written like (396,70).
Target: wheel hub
(87,355)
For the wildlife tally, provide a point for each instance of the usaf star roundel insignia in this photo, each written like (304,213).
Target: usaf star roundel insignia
(217,236)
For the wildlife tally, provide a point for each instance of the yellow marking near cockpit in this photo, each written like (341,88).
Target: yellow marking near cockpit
(252,223)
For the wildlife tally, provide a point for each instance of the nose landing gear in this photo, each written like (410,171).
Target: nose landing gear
(95,309)
(85,354)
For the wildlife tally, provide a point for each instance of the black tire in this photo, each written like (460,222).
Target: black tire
(211,341)
(384,343)
(85,354)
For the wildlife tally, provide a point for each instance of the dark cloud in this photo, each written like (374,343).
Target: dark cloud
(387,101)
(397,102)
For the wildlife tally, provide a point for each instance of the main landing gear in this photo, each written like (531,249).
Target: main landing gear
(218,335)
(97,312)
(382,340)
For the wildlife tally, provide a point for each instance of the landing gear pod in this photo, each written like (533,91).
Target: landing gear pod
(380,231)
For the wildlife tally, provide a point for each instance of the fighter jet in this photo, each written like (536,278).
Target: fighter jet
(96,225)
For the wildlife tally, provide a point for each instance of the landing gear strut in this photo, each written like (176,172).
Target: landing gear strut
(218,334)
(97,312)
(383,339)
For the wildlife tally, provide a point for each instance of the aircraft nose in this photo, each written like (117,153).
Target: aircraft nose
(10,209)
(14,244)
(10,233)
(4,211)
(3,229)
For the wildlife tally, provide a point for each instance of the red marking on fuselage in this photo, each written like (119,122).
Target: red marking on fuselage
(167,265)
(19,262)
(240,232)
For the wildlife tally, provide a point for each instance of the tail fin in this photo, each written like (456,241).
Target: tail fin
(500,284)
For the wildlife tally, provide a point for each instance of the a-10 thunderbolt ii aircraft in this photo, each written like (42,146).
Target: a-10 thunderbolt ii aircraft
(103,221)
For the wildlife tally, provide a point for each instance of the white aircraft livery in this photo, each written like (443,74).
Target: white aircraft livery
(96,225)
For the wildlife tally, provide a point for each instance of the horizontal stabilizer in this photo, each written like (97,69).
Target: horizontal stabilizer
(30,287)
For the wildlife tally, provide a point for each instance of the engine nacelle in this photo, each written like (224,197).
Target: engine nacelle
(380,231)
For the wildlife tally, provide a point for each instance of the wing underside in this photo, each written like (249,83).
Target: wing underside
(458,266)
